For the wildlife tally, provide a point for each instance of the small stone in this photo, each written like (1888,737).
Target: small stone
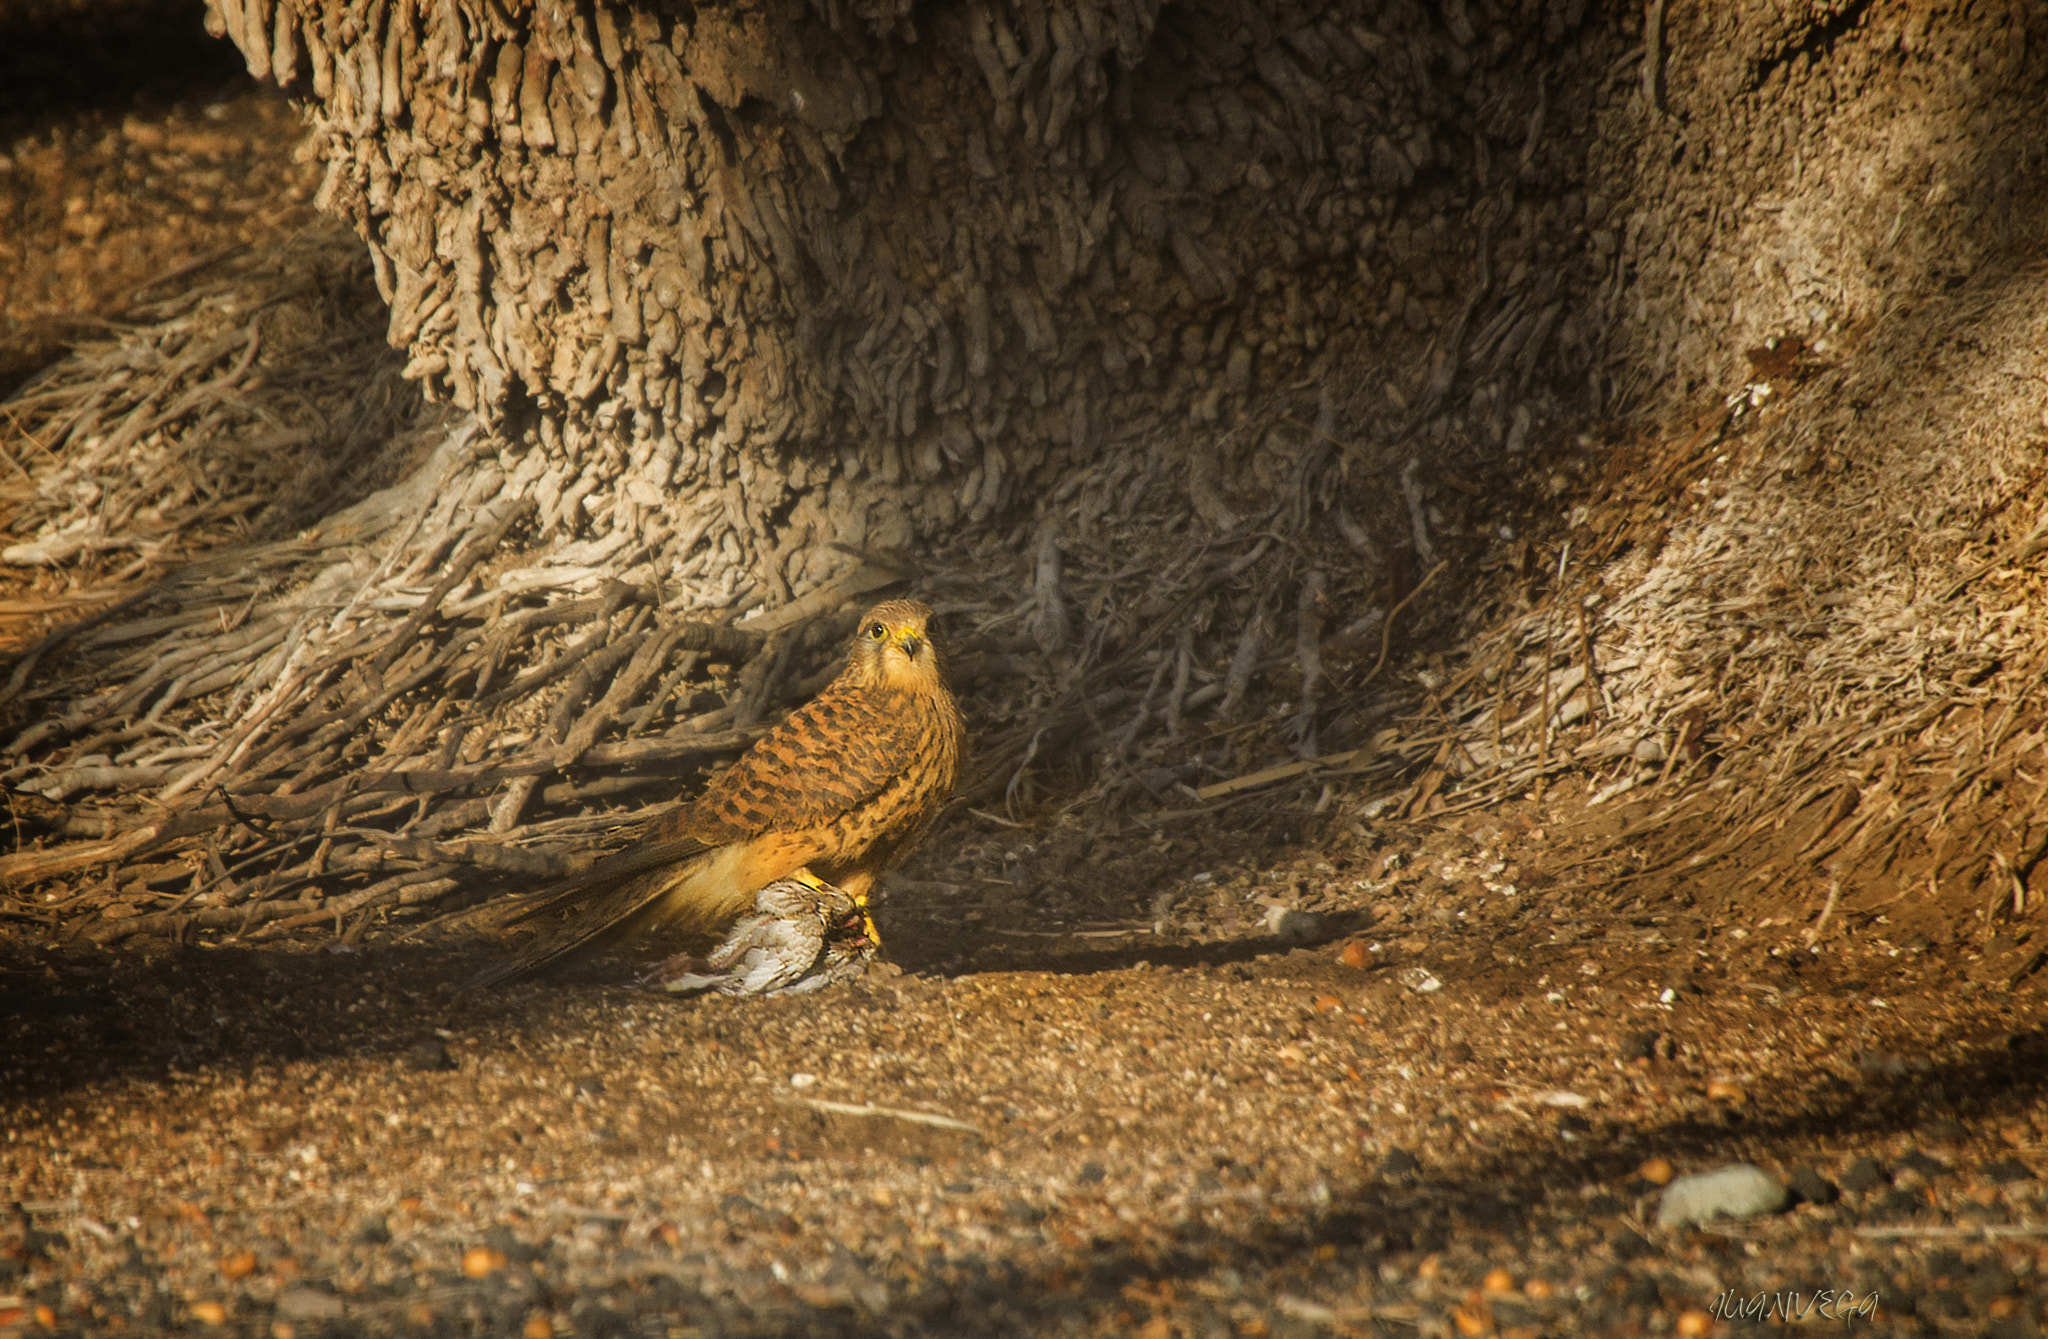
(373,1231)
(1327,1004)
(430,1057)
(1639,1046)
(1022,1211)
(1091,1174)
(739,1209)
(2020,1326)
(240,1265)
(507,1243)
(1811,1187)
(1901,1203)
(1721,1091)
(209,1313)
(1740,1191)
(1493,1216)
(1356,954)
(1657,1171)
(1695,1323)
(1539,1290)
(1497,1280)
(480,1262)
(1928,1167)
(1400,1162)
(1291,924)
(1992,1280)
(537,1326)
(308,1304)
(1864,1175)
(2005,1171)
(1237,370)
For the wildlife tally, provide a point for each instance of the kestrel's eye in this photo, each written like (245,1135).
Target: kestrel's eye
(877,631)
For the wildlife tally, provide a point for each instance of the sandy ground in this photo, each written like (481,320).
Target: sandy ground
(1447,1106)
(1450,1121)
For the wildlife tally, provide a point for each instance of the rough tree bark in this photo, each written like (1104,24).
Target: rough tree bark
(772,276)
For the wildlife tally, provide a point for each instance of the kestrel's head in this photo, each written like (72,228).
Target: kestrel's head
(892,647)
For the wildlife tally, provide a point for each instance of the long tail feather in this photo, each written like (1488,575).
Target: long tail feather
(664,883)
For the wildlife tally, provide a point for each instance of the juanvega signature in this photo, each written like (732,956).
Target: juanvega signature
(1826,1304)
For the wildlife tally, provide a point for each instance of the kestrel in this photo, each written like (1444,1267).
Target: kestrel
(844,787)
(803,934)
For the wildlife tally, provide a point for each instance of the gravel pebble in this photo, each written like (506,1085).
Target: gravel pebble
(304,1303)
(1927,1166)
(1639,1046)
(1400,1162)
(1811,1187)
(1740,1191)
(1864,1175)
(1300,925)
(430,1057)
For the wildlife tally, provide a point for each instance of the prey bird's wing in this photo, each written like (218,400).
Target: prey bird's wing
(783,953)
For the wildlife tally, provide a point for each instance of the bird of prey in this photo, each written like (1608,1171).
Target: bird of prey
(803,934)
(844,787)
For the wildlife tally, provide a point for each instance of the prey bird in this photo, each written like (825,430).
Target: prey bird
(803,935)
(846,786)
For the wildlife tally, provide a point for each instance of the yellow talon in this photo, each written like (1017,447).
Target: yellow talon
(867,921)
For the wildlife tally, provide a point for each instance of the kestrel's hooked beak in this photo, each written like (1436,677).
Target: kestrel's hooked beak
(910,642)
(860,902)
